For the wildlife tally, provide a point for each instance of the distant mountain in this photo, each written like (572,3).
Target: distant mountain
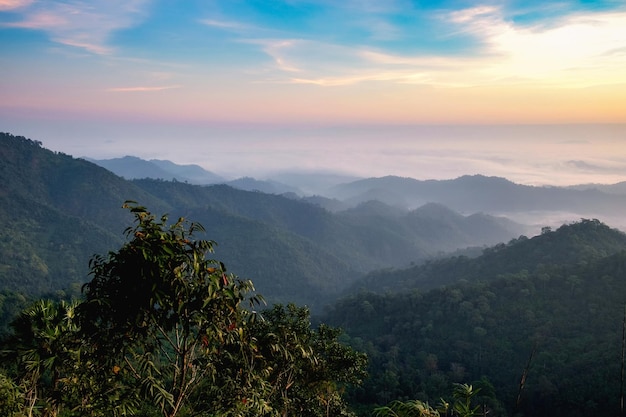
(361,240)
(431,229)
(268,187)
(312,182)
(194,174)
(330,204)
(131,167)
(618,188)
(58,211)
(491,195)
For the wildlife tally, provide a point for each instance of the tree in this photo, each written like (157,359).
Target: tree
(42,348)
(160,313)
(308,369)
(463,394)
(164,330)
(411,408)
(10,397)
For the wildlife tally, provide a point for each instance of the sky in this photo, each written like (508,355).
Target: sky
(534,91)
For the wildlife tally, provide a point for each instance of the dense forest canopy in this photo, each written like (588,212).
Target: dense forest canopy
(557,322)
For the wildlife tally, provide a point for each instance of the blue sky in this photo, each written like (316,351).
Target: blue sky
(266,82)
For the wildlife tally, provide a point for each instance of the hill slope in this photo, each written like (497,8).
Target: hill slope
(131,167)
(562,310)
(362,239)
(577,243)
(56,211)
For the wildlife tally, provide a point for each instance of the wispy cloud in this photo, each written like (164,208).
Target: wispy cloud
(571,52)
(329,65)
(229,25)
(13,4)
(142,89)
(607,167)
(82,24)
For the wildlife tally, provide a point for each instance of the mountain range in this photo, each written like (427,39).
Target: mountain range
(421,275)
(131,167)
(58,211)
(533,205)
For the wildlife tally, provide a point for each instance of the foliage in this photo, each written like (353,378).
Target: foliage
(463,394)
(308,369)
(163,313)
(411,408)
(296,251)
(10,396)
(482,332)
(42,348)
(163,330)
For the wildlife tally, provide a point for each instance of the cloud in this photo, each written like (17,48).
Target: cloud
(279,51)
(82,24)
(601,168)
(230,25)
(578,50)
(141,89)
(471,15)
(13,4)
(571,51)
(585,166)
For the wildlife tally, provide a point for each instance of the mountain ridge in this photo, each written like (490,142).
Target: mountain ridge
(298,250)
(579,242)
(548,309)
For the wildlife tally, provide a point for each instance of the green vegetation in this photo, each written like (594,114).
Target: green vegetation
(565,316)
(532,327)
(57,211)
(575,244)
(162,330)
(462,406)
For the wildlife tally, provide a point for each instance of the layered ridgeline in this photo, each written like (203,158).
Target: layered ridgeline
(543,205)
(473,193)
(131,167)
(57,211)
(536,324)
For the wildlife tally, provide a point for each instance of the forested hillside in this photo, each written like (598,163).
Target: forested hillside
(58,211)
(578,243)
(549,309)
(534,324)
